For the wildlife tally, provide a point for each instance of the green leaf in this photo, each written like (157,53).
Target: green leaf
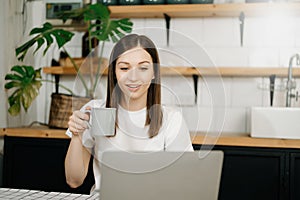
(43,35)
(29,71)
(46,26)
(38,73)
(14,77)
(40,42)
(76,14)
(49,41)
(14,109)
(22,50)
(111,30)
(62,36)
(96,11)
(19,69)
(107,29)
(12,84)
(26,99)
(25,90)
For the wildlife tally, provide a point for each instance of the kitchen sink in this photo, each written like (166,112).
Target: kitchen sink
(275,122)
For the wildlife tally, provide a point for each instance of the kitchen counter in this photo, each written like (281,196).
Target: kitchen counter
(29,152)
(242,139)
(38,132)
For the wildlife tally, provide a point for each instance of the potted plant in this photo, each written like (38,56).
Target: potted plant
(25,81)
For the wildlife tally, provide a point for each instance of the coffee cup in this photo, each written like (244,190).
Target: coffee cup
(102,121)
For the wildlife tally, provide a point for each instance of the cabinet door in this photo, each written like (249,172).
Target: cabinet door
(252,173)
(295,176)
(38,163)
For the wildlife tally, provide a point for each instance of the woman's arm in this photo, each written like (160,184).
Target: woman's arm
(76,162)
(78,157)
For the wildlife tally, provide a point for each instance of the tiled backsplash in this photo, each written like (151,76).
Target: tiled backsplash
(216,42)
(268,42)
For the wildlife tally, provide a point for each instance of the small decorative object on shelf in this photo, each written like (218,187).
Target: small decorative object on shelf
(149,2)
(177,1)
(109,2)
(201,1)
(130,2)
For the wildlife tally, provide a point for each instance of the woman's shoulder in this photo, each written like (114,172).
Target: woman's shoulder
(171,111)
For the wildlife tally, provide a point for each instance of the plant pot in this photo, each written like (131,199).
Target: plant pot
(62,107)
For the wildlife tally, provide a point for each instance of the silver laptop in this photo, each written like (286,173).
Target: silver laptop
(161,175)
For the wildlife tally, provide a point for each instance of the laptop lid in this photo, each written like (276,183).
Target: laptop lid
(161,175)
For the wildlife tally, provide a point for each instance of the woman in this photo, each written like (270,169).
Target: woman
(142,124)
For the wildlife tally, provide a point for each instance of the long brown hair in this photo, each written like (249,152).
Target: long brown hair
(154,110)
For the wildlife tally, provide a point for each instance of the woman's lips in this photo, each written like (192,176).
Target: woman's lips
(133,88)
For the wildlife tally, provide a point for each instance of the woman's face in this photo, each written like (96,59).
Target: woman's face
(134,72)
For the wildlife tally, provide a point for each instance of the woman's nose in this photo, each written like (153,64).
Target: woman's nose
(133,74)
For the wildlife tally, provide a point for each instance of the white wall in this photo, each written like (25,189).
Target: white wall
(12,27)
(16,20)
(268,42)
(3,68)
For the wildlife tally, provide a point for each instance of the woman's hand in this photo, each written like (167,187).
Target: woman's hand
(78,121)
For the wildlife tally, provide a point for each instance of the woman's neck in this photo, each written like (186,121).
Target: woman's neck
(132,105)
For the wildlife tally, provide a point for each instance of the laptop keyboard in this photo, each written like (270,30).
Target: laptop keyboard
(8,193)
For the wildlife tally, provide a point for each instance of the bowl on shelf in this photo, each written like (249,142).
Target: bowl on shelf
(177,1)
(109,2)
(201,1)
(130,2)
(150,2)
(275,122)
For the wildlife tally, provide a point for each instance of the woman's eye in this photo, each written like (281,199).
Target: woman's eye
(124,68)
(144,68)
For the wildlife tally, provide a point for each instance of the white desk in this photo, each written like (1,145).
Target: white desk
(8,193)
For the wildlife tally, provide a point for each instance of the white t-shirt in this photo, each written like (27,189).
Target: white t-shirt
(132,135)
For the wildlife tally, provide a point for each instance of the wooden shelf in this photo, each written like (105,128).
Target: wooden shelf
(198,10)
(201,71)
(205,10)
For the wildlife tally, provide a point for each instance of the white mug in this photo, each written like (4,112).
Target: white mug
(102,121)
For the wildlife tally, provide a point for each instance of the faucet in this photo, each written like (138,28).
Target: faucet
(291,84)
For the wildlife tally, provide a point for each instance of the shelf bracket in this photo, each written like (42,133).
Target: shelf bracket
(56,77)
(167,19)
(195,79)
(242,23)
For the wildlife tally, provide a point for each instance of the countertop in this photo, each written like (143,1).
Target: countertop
(225,139)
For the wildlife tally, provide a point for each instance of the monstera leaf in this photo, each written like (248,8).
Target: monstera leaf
(46,34)
(26,83)
(75,14)
(107,29)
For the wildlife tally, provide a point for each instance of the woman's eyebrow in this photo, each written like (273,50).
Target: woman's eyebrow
(123,62)
(146,61)
(127,63)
